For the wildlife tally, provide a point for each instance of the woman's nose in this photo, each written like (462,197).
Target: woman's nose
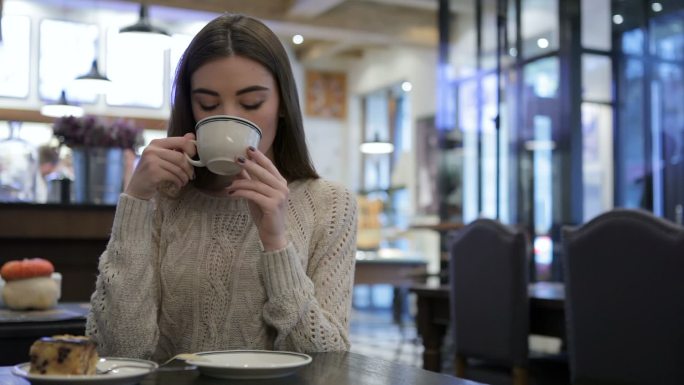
(229,110)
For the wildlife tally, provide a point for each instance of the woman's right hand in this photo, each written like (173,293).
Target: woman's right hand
(163,162)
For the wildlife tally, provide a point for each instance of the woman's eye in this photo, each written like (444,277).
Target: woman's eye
(207,108)
(252,106)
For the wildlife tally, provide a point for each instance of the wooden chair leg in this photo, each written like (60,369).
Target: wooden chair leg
(460,366)
(520,375)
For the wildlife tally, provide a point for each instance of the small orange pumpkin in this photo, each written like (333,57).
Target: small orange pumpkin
(26,268)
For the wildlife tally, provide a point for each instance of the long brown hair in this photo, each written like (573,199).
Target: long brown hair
(229,35)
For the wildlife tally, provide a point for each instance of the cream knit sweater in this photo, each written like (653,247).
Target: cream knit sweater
(189,274)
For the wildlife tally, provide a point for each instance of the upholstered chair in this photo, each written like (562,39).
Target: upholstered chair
(488,277)
(624,280)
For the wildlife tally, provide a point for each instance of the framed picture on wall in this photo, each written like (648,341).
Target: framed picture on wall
(326,94)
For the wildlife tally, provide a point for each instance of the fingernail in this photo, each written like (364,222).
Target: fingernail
(241,159)
(251,148)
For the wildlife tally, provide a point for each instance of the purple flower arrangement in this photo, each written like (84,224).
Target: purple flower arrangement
(91,131)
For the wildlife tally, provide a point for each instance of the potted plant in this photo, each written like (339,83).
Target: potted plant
(98,147)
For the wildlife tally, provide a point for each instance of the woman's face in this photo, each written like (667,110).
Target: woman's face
(240,87)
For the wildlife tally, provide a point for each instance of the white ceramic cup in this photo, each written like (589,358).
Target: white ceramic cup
(221,139)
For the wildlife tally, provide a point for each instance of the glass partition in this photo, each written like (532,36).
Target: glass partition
(15,56)
(67,50)
(539,27)
(137,74)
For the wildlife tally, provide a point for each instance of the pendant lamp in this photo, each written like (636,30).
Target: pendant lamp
(376,146)
(144,33)
(94,80)
(61,108)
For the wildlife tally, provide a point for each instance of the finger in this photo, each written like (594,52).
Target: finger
(253,185)
(183,144)
(262,160)
(256,171)
(173,173)
(265,203)
(177,158)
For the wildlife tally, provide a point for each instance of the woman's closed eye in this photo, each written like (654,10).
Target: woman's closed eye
(252,106)
(204,107)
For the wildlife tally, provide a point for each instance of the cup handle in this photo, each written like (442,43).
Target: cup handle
(197,163)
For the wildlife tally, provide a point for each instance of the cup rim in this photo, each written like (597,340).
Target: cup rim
(212,118)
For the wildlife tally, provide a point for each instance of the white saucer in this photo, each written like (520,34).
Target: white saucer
(123,376)
(248,364)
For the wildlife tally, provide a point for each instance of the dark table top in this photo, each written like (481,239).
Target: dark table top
(326,369)
(547,291)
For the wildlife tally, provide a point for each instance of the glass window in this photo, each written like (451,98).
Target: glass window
(463,51)
(631,177)
(377,127)
(489,146)
(667,117)
(489,34)
(136,72)
(539,29)
(67,50)
(596,22)
(511,29)
(467,121)
(541,120)
(667,36)
(597,78)
(15,56)
(179,43)
(597,158)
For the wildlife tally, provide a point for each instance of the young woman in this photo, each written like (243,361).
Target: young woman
(264,260)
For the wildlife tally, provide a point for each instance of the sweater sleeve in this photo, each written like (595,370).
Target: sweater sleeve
(311,312)
(123,314)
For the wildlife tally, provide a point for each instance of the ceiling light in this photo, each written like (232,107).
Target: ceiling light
(618,19)
(144,33)
(61,108)
(656,7)
(377,146)
(542,43)
(94,80)
(298,39)
(406,86)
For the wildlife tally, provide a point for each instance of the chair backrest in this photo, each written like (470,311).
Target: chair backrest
(624,276)
(488,278)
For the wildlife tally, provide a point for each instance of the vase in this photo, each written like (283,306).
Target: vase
(98,174)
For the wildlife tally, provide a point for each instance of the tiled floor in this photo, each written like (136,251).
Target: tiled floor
(374,333)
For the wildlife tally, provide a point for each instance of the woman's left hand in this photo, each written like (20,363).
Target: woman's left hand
(266,190)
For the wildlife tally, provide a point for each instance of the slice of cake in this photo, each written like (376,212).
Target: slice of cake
(63,354)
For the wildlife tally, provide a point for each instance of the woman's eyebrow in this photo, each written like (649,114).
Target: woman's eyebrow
(251,89)
(204,91)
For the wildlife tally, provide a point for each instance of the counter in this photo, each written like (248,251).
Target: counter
(71,236)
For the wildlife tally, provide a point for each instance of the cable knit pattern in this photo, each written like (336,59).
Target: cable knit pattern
(189,274)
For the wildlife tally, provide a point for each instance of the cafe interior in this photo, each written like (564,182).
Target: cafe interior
(518,167)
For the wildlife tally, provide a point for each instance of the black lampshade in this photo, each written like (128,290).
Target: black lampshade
(94,80)
(144,30)
(61,108)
